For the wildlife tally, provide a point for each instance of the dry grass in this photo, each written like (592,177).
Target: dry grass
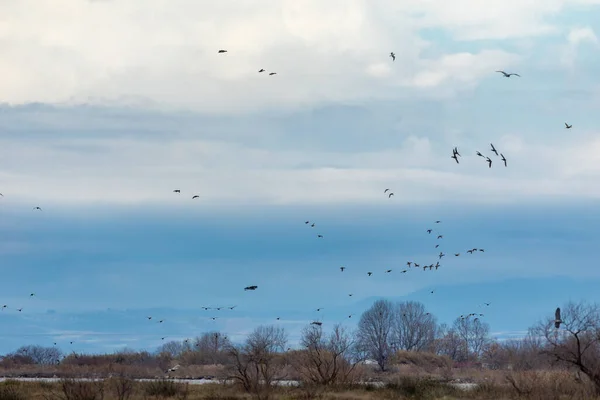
(545,385)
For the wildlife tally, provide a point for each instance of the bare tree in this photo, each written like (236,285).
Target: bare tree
(174,348)
(414,328)
(327,360)
(449,343)
(577,341)
(375,331)
(255,364)
(40,355)
(209,348)
(474,334)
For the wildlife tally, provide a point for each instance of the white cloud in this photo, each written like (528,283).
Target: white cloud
(575,39)
(166,51)
(92,169)
(578,35)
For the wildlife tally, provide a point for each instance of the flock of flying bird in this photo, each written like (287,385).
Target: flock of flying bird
(410,265)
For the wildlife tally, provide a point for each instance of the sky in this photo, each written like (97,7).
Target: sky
(108,106)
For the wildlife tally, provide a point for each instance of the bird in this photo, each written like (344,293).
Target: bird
(342,269)
(429,230)
(369,273)
(253,287)
(408,263)
(440,236)
(319,309)
(307,222)
(455,151)
(557,319)
(37,208)
(386,190)
(177,191)
(20,309)
(441,255)
(455,157)
(567,126)
(393,56)
(481,250)
(222,51)
(470,251)
(350,295)
(272,73)
(232,307)
(350,316)
(388,271)
(195,197)
(494,149)
(489,161)
(32,294)
(277,318)
(437,222)
(404,271)
(431,292)
(316,323)
(390,195)
(456,254)
(503,159)
(480,155)
(312,225)
(487,304)
(319,236)
(261,70)
(437,245)
(161,321)
(508,75)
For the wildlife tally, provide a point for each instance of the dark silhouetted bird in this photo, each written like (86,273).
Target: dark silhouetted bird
(261,70)
(503,159)
(342,269)
(254,287)
(508,75)
(393,56)
(222,51)
(489,161)
(557,319)
(272,73)
(567,126)
(494,149)
(369,273)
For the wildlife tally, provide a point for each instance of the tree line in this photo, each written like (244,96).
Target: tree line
(385,332)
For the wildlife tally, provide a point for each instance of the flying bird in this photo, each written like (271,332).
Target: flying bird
(316,323)
(390,195)
(494,149)
(557,319)
(480,155)
(176,191)
(567,126)
(342,269)
(489,161)
(369,273)
(393,56)
(195,197)
(508,75)
(429,230)
(272,73)
(455,151)
(232,307)
(437,222)
(440,236)
(261,70)
(319,236)
(388,271)
(503,159)
(385,191)
(455,157)
(222,51)
(253,287)
(37,208)
(456,254)
(487,304)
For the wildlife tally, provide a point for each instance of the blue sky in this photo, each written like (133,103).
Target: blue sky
(99,126)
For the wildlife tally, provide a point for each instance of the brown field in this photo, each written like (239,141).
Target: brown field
(426,377)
